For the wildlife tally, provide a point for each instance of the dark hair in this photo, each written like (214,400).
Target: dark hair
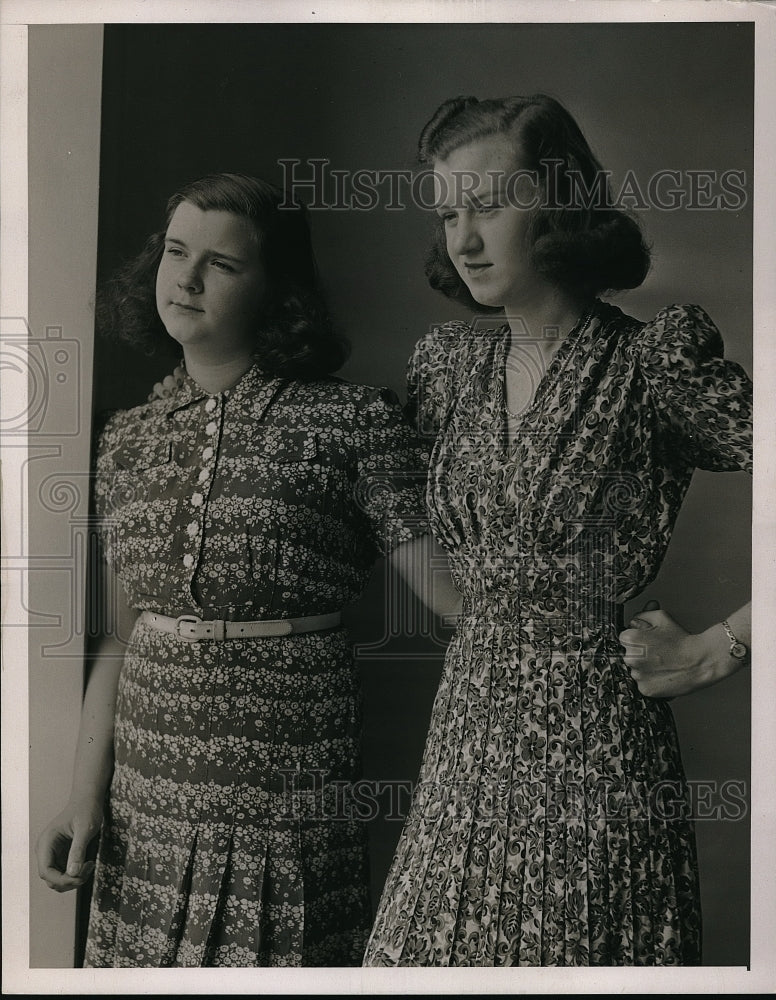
(577,241)
(295,337)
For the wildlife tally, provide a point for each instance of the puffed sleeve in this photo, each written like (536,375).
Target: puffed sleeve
(392,470)
(431,376)
(702,402)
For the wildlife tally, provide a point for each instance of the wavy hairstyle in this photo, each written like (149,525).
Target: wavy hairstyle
(295,337)
(577,239)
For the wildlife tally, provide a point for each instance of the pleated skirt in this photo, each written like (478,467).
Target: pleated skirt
(551,822)
(222,843)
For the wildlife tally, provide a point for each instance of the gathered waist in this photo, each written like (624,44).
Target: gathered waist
(526,609)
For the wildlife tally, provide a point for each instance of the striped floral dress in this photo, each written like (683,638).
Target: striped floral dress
(551,822)
(228,837)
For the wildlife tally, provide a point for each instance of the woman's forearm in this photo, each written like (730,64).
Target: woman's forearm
(93,764)
(62,847)
(422,564)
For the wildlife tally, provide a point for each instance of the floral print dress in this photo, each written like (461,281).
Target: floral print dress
(551,823)
(228,837)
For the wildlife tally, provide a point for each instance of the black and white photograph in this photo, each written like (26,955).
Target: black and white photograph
(388,497)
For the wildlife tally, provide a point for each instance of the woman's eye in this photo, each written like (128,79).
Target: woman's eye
(447,217)
(174,251)
(222,265)
(484,209)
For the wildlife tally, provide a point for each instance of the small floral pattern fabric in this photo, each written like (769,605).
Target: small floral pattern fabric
(228,839)
(551,823)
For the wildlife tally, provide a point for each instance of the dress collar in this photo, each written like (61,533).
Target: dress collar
(191,392)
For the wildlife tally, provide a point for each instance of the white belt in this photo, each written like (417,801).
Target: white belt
(192,628)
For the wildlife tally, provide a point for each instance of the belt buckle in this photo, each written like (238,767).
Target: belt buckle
(191,620)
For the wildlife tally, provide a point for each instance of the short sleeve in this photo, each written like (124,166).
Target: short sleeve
(702,402)
(431,376)
(393,466)
(107,436)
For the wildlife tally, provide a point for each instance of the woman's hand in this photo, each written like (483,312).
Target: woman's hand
(62,847)
(666,660)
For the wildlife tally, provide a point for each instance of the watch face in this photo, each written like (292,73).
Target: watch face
(738,649)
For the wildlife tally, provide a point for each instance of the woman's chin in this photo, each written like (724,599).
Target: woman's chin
(481,297)
(484,300)
(180,334)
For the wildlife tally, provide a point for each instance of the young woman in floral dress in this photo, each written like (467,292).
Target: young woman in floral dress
(551,822)
(221,722)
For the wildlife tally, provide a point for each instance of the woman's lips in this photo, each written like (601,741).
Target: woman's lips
(474,270)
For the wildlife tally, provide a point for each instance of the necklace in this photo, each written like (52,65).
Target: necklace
(555,366)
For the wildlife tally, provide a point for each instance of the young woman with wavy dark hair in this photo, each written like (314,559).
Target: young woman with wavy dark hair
(220,733)
(293,335)
(551,822)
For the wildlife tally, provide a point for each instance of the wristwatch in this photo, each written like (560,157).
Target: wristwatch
(738,649)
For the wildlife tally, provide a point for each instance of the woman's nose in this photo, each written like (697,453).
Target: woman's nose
(465,236)
(189,278)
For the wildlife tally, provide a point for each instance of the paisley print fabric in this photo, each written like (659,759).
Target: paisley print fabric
(224,843)
(551,823)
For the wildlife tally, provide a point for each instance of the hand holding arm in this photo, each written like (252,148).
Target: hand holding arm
(666,660)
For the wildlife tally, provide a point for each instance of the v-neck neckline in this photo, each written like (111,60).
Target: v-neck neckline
(512,437)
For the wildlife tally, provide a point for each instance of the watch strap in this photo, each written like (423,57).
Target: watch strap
(738,649)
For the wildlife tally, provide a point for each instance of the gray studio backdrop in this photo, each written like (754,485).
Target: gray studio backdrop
(180,101)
